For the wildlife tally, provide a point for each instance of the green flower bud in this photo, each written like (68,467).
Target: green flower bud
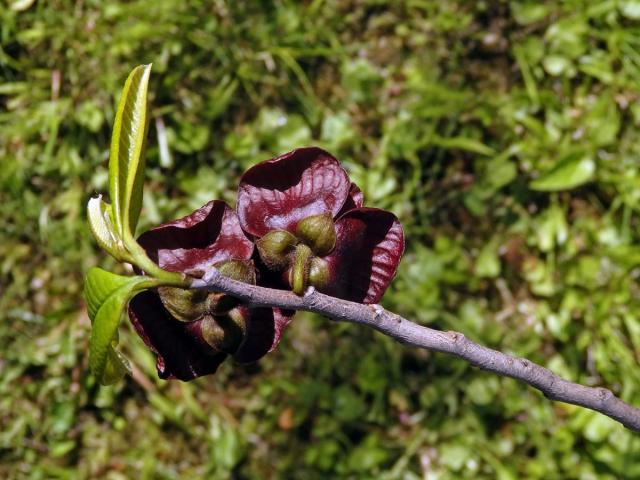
(191,305)
(318,273)
(240,270)
(319,232)
(275,249)
(299,276)
(225,333)
(221,303)
(185,305)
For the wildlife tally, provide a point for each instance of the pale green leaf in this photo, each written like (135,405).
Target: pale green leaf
(99,214)
(21,5)
(488,262)
(107,295)
(556,65)
(570,172)
(630,9)
(116,367)
(463,143)
(126,160)
(98,285)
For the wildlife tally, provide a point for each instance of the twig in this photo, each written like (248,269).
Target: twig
(454,343)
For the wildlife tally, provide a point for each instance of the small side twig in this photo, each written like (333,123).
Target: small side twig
(409,333)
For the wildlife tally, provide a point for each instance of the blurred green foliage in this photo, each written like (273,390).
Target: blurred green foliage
(504,134)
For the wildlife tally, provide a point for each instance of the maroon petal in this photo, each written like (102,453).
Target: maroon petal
(278,193)
(369,245)
(354,200)
(264,330)
(181,351)
(208,235)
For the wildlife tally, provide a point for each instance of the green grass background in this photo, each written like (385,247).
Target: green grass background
(503,134)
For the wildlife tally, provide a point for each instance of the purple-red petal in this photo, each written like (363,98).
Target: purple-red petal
(370,243)
(354,200)
(209,235)
(278,193)
(264,330)
(181,351)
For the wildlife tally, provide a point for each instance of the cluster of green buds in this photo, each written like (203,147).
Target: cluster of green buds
(299,256)
(222,324)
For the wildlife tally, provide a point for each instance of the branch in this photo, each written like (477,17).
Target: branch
(409,333)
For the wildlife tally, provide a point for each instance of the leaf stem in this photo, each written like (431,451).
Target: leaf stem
(142,261)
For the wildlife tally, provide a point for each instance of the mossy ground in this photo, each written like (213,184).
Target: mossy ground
(503,134)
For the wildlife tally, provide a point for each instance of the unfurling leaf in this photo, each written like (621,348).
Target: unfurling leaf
(99,213)
(107,294)
(126,159)
(116,367)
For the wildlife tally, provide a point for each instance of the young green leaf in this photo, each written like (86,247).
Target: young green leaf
(116,367)
(98,285)
(126,160)
(571,171)
(107,294)
(99,213)
(463,143)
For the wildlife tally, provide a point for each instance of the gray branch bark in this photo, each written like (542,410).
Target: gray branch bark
(409,333)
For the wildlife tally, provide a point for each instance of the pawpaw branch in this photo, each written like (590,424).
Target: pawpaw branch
(409,333)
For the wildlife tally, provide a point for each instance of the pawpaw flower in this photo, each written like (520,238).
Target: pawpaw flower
(311,229)
(192,331)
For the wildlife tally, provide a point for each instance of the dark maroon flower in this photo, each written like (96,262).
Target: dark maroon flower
(311,229)
(192,332)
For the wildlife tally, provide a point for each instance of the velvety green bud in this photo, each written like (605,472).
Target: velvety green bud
(318,273)
(275,249)
(319,232)
(185,305)
(240,270)
(299,276)
(224,333)
(221,303)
